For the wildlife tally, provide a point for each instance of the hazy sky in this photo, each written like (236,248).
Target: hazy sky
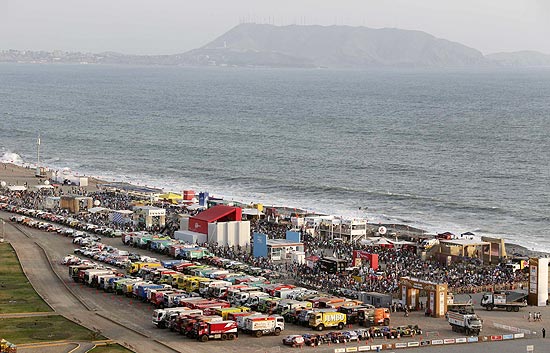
(175,26)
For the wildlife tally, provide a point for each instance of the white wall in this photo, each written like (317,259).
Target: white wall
(229,233)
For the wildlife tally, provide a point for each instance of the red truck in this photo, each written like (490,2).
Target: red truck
(272,288)
(222,330)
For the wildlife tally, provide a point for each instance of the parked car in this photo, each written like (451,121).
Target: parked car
(294,340)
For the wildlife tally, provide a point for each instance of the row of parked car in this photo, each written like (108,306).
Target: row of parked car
(52,222)
(310,339)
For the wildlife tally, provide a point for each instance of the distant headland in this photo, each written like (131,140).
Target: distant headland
(312,46)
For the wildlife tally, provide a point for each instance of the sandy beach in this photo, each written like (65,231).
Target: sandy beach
(17,175)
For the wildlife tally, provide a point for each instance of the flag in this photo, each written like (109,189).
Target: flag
(38,142)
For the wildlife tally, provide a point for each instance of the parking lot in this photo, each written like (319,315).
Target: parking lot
(132,318)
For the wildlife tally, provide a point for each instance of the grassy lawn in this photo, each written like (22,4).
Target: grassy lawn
(112,348)
(16,293)
(44,329)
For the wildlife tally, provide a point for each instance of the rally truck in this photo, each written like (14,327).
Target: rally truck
(264,325)
(468,323)
(222,330)
(321,319)
(511,301)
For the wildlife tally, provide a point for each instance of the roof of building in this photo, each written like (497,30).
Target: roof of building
(464,242)
(218,212)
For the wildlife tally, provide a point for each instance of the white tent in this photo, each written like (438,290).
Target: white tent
(43,186)
(98,209)
(252,212)
(195,207)
(16,188)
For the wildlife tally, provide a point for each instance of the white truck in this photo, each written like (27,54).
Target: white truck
(160,316)
(264,325)
(468,323)
(205,288)
(254,298)
(511,301)
(241,298)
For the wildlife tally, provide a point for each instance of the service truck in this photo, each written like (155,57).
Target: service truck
(285,305)
(222,330)
(103,280)
(468,323)
(89,274)
(511,301)
(134,267)
(224,312)
(373,316)
(205,287)
(264,325)
(160,315)
(321,319)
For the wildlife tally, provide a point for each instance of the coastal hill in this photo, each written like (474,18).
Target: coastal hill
(262,45)
(521,59)
(332,46)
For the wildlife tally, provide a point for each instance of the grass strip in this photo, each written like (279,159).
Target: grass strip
(16,293)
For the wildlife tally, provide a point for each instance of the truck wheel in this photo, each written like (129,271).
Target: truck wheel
(386,322)
(258,333)
(489,307)
(224,337)
(516,308)
(231,337)
(509,308)
(320,327)
(204,338)
(277,331)
(340,325)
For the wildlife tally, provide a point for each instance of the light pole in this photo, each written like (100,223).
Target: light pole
(3,229)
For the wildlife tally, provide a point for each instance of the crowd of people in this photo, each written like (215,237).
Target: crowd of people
(468,273)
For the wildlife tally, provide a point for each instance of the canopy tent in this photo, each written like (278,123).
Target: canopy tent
(171,197)
(16,188)
(252,212)
(43,186)
(98,209)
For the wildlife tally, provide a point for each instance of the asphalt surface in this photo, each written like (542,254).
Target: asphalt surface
(128,321)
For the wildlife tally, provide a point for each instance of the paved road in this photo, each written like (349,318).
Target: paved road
(136,315)
(46,283)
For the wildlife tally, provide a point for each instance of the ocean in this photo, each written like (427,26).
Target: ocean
(443,150)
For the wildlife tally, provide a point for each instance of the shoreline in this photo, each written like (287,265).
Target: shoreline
(14,174)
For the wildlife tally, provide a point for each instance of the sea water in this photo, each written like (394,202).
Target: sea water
(444,150)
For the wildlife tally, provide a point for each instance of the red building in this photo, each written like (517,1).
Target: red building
(220,213)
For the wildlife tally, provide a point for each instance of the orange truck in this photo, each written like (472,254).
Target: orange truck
(374,316)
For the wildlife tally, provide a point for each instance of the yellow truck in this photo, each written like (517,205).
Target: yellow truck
(178,280)
(134,267)
(224,312)
(321,319)
(191,284)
